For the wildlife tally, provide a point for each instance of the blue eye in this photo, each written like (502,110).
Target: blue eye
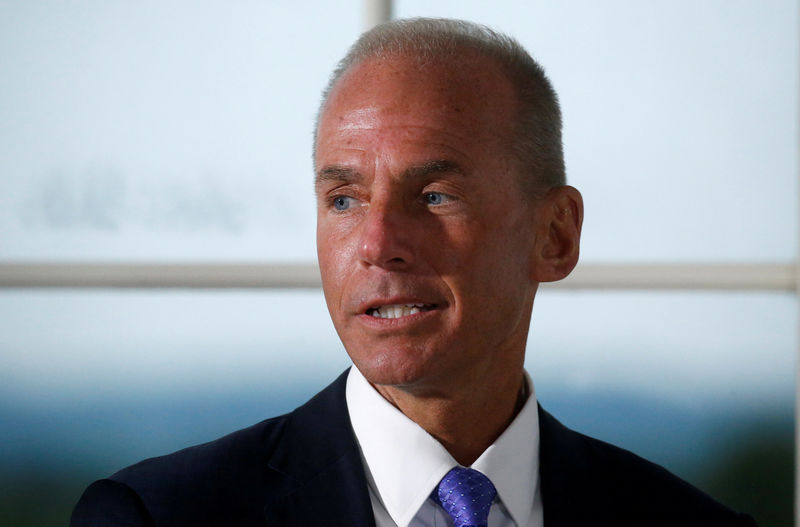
(434,198)
(342,202)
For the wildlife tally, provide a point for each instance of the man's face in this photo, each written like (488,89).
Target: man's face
(424,238)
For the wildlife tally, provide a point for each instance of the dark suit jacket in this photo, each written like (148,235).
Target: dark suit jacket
(304,469)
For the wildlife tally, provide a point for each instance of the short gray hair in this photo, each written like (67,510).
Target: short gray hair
(537,145)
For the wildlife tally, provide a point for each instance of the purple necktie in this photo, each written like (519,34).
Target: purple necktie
(466,495)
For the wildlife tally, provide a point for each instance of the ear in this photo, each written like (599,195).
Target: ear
(559,217)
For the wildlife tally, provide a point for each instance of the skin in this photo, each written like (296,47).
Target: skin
(419,202)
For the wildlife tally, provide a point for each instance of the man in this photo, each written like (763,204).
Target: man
(441,207)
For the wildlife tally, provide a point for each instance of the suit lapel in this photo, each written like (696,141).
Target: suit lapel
(337,496)
(319,464)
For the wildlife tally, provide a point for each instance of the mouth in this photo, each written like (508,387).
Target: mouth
(398,310)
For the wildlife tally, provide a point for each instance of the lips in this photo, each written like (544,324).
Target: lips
(398,310)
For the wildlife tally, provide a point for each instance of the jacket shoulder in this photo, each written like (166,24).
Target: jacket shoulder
(106,502)
(652,491)
(232,480)
(240,449)
(207,484)
(621,487)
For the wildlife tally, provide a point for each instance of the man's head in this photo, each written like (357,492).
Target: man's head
(537,120)
(430,249)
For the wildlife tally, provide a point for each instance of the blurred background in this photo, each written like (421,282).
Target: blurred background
(180,131)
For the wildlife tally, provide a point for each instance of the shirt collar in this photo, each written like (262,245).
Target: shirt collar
(512,461)
(405,474)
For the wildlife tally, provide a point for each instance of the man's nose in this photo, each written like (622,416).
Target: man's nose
(385,239)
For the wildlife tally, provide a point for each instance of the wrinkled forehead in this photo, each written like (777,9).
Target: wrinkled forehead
(467,93)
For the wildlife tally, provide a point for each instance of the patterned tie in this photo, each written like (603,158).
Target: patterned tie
(466,495)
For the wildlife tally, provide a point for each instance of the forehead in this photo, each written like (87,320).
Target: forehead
(464,103)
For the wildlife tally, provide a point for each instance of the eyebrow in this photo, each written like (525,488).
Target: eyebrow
(342,174)
(436,166)
(336,173)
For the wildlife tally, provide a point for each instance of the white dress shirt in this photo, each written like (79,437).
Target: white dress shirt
(403,463)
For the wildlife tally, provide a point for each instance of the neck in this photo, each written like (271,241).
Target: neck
(466,419)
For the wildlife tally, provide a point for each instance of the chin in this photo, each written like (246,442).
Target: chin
(393,368)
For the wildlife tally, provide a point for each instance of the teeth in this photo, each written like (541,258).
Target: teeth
(397,310)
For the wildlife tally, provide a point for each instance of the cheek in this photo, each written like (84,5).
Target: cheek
(336,258)
(491,269)
(337,261)
(333,244)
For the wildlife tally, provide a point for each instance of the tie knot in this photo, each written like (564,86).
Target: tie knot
(466,495)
